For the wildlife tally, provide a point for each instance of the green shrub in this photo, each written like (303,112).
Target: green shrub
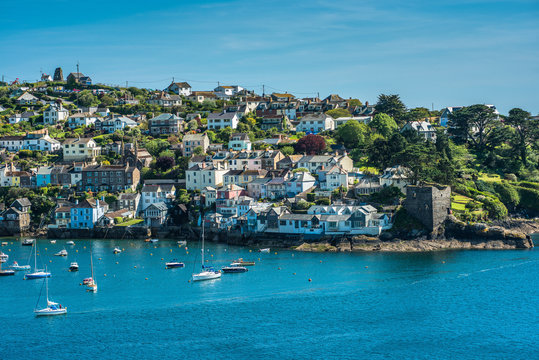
(323,201)
(510,177)
(529,184)
(529,198)
(118,220)
(495,208)
(507,194)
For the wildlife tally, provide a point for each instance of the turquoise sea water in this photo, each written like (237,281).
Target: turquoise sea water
(442,305)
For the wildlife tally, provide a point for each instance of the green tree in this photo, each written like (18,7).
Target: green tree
(287,150)
(198,150)
(384,124)
(392,106)
(352,134)
(86,98)
(526,131)
(337,113)
(473,124)
(156,146)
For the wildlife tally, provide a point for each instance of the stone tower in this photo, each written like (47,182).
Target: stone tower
(58,74)
(430,204)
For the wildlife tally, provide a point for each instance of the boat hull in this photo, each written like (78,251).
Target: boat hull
(206,275)
(174,265)
(234,269)
(38,275)
(7,272)
(50,312)
(20,267)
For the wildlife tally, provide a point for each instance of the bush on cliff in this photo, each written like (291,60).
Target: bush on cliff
(496,209)
(529,198)
(507,194)
(406,222)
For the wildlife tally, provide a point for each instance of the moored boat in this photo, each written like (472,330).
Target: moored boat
(18,267)
(74,266)
(4,243)
(154,240)
(234,269)
(28,242)
(117,250)
(53,241)
(37,274)
(70,242)
(208,273)
(3,257)
(267,250)
(87,281)
(241,262)
(91,285)
(174,264)
(52,307)
(62,252)
(6,272)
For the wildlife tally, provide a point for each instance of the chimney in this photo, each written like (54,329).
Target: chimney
(366,103)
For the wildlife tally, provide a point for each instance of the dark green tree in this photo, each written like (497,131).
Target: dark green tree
(392,106)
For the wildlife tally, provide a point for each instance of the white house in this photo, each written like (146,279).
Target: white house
(360,119)
(225,91)
(201,176)
(25,116)
(333,178)
(54,113)
(115,123)
(12,143)
(423,129)
(82,119)
(397,175)
(239,141)
(27,99)
(180,88)
(314,163)
(209,194)
(223,120)
(315,123)
(300,182)
(40,140)
(80,149)
(152,194)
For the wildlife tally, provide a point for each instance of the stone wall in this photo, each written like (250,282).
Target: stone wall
(429,204)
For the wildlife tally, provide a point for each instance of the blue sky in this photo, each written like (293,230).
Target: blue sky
(442,52)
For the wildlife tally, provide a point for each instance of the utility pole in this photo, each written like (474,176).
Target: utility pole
(126,84)
(263,90)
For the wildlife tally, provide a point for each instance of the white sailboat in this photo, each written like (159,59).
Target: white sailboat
(92,284)
(52,307)
(208,273)
(38,273)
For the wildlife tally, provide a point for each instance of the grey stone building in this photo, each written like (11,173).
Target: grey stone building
(430,204)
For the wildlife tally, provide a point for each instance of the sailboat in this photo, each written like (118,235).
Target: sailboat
(92,284)
(52,307)
(37,274)
(208,273)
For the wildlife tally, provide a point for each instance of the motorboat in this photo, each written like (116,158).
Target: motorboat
(182,242)
(74,266)
(3,257)
(52,307)
(174,264)
(70,242)
(28,242)
(207,273)
(154,240)
(18,267)
(117,250)
(234,269)
(6,272)
(87,281)
(62,252)
(53,241)
(241,262)
(4,243)
(267,250)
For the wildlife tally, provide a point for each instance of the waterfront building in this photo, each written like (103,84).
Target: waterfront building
(84,214)
(152,194)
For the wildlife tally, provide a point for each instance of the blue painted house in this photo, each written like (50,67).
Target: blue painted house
(84,214)
(43,176)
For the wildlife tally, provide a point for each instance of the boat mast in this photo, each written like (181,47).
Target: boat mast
(47,287)
(92,266)
(202,242)
(35,255)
